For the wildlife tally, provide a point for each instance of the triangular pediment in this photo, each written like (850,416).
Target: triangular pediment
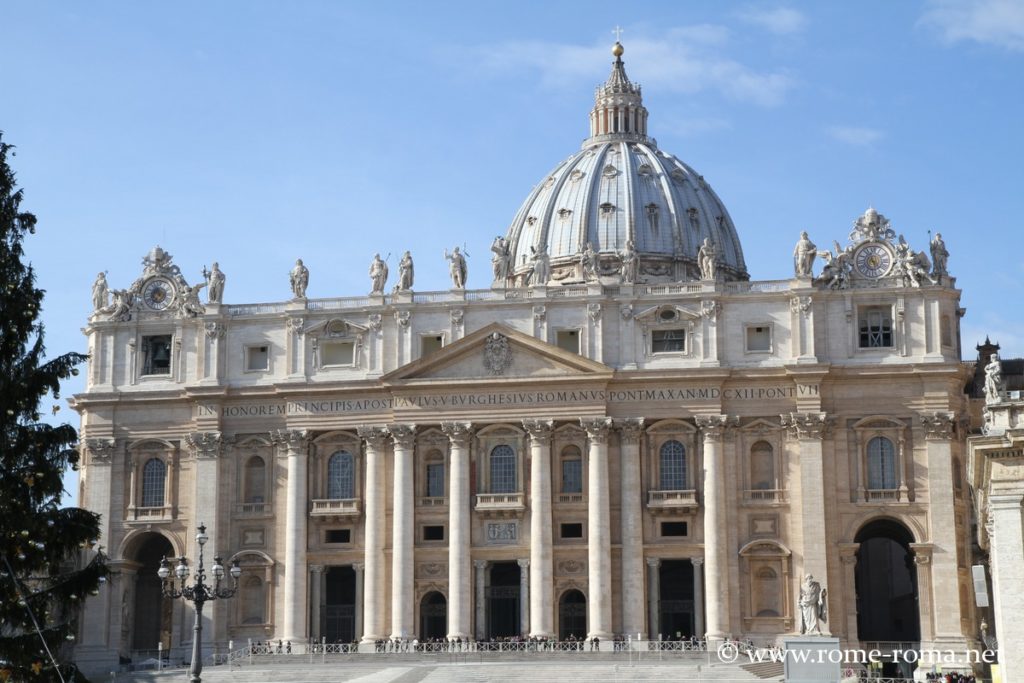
(498,352)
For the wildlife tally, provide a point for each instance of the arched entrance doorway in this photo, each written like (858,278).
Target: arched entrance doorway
(433,616)
(675,607)
(886,582)
(572,615)
(503,600)
(151,612)
(339,612)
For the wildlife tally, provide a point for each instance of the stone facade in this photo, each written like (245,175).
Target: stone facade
(591,456)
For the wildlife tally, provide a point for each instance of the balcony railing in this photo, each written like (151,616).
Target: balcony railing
(336,507)
(432,501)
(500,503)
(765,495)
(570,498)
(885,495)
(671,501)
(150,514)
(252,508)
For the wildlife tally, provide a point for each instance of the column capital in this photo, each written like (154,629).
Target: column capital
(524,563)
(459,433)
(808,426)
(403,434)
(697,561)
(630,429)
(922,553)
(293,440)
(316,568)
(204,444)
(848,552)
(374,436)
(715,427)
(100,450)
(539,430)
(939,425)
(596,428)
(480,564)
(653,562)
(358,567)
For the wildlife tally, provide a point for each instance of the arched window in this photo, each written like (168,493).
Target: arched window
(572,470)
(154,476)
(766,591)
(503,470)
(881,464)
(672,468)
(255,480)
(253,600)
(341,476)
(762,466)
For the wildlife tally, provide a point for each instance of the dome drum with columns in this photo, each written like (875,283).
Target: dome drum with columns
(621,194)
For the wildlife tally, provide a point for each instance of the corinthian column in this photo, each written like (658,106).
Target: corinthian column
(294,443)
(402,533)
(713,427)
(459,541)
(632,523)
(599,549)
(373,577)
(541,567)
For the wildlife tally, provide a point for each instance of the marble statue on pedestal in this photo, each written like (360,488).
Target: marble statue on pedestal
(707,258)
(378,274)
(500,259)
(100,293)
(813,606)
(630,263)
(994,379)
(803,256)
(588,263)
(215,284)
(940,256)
(299,279)
(457,268)
(541,266)
(405,272)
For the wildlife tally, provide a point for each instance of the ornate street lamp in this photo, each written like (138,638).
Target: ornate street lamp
(198,593)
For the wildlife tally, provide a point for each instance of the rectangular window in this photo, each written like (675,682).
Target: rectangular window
(573,530)
(572,475)
(568,340)
(430,343)
(156,355)
(338,536)
(435,480)
(337,353)
(759,338)
(875,327)
(433,533)
(668,341)
(257,358)
(673,528)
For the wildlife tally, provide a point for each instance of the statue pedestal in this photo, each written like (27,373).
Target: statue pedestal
(402,296)
(813,659)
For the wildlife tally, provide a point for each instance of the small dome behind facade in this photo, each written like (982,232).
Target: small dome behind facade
(622,195)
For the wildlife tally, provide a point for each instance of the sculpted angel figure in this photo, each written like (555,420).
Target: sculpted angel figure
(100,293)
(707,257)
(190,304)
(405,272)
(378,274)
(121,308)
(803,256)
(940,256)
(813,606)
(299,279)
(457,268)
(215,283)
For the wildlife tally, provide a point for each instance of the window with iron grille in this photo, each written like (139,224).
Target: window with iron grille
(672,468)
(503,470)
(435,480)
(154,476)
(668,341)
(340,476)
(572,475)
(875,327)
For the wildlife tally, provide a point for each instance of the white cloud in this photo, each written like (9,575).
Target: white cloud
(780,20)
(990,22)
(855,135)
(688,60)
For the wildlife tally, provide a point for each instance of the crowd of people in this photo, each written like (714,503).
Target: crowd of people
(950,678)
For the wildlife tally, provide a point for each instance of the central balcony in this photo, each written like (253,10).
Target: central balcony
(339,508)
(500,504)
(672,502)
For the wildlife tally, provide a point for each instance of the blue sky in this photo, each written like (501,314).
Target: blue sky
(254,133)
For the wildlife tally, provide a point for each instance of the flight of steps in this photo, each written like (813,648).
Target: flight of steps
(511,667)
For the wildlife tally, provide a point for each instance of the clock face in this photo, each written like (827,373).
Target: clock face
(158,294)
(873,261)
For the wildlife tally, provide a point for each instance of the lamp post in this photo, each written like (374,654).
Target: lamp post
(198,593)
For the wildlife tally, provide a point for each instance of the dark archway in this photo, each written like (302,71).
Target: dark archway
(886,581)
(675,608)
(339,611)
(572,615)
(433,616)
(503,600)
(151,612)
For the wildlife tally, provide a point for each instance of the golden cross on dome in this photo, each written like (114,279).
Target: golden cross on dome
(618,32)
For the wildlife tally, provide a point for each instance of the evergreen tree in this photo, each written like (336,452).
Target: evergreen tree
(44,577)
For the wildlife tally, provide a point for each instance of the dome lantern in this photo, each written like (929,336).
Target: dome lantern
(618,104)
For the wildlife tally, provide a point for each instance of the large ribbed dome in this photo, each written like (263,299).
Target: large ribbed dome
(621,195)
